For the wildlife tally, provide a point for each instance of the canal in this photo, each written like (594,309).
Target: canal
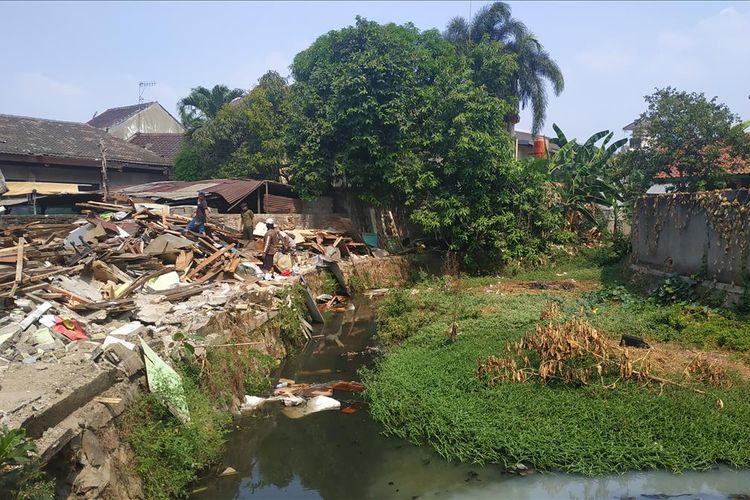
(333,455)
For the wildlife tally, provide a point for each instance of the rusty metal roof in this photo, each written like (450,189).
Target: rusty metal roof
(281,204)
(232,190)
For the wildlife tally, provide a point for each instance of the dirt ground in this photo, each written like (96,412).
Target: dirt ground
(569,285)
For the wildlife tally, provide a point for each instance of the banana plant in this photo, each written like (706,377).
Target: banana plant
(582,175)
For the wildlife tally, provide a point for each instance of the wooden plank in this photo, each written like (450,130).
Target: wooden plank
(312,308)
(232,265)
(19,260)
(12,250)
(71,295)
(210,274)
(50,237)
(142,280)
(210,260)
(183,260)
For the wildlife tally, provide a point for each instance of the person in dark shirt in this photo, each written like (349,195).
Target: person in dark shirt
(271,245)
(247,222)
(198,223)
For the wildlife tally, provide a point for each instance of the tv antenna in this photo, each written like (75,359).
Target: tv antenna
(142,87)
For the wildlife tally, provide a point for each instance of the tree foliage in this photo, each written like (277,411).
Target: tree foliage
(685,136)
(203,104)
(245,139)
(357,95)
(399,117)
(534,66)
(583,176)
(403,120)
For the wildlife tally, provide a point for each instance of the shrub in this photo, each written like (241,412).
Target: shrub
(169,454)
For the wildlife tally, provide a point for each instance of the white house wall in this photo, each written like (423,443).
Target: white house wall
(153,119)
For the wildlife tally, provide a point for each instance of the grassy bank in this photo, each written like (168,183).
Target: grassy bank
(170,455)
(426,390)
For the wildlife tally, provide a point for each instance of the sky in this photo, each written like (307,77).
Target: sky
(68,60)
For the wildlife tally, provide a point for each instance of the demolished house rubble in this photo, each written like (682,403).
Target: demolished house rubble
(82,298)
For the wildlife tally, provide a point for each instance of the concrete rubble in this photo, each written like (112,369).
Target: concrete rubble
(80,298)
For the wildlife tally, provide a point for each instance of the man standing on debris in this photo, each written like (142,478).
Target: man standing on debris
(247,221)
(200,216)
(271,245)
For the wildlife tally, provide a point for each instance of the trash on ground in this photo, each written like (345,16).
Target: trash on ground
(229,471)
(251,403)
(314,405)
(353,408)
(165,383)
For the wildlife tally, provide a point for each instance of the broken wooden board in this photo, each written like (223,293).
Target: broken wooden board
(312,307)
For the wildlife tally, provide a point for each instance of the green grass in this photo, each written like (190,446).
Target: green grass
(169,455)
(424,389)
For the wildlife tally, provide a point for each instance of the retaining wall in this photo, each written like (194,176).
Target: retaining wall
(705,234)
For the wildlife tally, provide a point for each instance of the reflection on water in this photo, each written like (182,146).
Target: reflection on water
(334,455)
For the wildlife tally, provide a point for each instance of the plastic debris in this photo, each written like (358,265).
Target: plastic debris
(314,405)
(166,383)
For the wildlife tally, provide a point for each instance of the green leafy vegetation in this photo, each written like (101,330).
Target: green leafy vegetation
(425,388)
(328,283)
(20,475)
(403,119)
(583,178)
(688,136)
(202,104)
(232,372)
(169,454)
(242,139)
(287,320)
(409,123)
(493,26)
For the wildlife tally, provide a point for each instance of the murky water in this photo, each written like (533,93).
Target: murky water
(335,455)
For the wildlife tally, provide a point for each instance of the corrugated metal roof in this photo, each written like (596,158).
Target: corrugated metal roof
(232,190)
(281,204)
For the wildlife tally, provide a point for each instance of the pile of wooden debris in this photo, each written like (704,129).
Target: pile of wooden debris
(117,258)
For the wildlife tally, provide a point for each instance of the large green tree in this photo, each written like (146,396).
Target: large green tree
(399,117)
(203,104)
(246,139)
(465,185)
(535,67)
(357,96)
(687,139)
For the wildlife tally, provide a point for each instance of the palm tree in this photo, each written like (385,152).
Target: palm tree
(535,66)
(202,104)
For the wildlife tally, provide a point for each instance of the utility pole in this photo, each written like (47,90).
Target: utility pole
(105,181)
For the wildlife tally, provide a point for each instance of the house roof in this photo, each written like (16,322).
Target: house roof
(674,172)
(166,145)
(526,138)
(115,116)
(638,122)
(34,137)
(232,190)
